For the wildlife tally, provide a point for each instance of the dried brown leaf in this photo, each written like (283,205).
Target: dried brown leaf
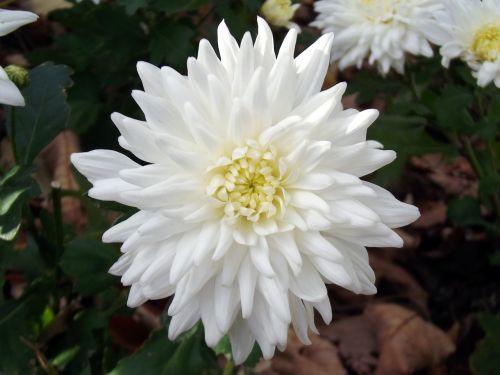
(319,358)
(400,282)
(432,213)
(356,342)
(407,343)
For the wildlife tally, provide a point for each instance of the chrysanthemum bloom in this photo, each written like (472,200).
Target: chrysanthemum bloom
(470,30)
(280,13)
(11,20)
(383,31)
(249,197)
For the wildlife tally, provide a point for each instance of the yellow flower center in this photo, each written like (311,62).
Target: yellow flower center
(278,12)
(380,10)
(486,43)
(248,183)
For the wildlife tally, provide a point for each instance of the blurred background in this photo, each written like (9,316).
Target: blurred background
(436,310)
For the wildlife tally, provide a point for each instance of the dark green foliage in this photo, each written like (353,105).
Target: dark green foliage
(160,356)
(45,114)
(87,260)
(485,359)
(16,186)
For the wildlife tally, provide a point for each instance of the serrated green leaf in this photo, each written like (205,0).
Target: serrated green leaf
(452,109)
(87,260)
(46,112)
(160,356)
(170,43)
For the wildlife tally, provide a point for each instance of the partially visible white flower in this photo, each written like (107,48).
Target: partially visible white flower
(470,30)
(383,31)
(11,20)
(94,1)
(249,196)
(9,93)
(280,13)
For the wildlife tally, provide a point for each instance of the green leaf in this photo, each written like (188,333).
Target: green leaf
(20,320)
(15,187)
(175,6)
(484,360)
(452,109)
(45,114)
(170,43)
(160,356)
(87,260)
(26,260)
(465,211)
(132,6)
(63,358)
(407,136)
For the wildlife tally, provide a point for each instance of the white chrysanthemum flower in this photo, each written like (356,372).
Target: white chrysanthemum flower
(250,197)
(470,30)
(280,13)
(11,20)
(383,31)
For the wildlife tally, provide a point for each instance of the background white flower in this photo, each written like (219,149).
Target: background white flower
(251,197)
(470,30)
(383,31)
(280,13)
(11,20)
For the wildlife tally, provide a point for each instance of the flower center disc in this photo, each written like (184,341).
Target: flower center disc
(486,43)
(380,10)
(248,183)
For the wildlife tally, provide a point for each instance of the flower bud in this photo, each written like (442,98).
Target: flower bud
(18,75)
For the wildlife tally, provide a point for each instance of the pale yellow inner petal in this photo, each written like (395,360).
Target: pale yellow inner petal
(486,43)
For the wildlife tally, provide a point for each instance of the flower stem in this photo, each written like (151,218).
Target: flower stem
(471,155)
(56,203)
(229,367)
(13,134)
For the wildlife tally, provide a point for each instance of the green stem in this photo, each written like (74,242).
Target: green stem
(13,134)
(229,367)
(56,203)
(471,155)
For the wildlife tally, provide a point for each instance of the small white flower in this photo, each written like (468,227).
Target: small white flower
(470,30)
(11,20)
(249,193)
(94,1)
(383,31)
(280,13)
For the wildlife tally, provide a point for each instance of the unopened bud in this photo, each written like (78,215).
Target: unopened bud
(18,75)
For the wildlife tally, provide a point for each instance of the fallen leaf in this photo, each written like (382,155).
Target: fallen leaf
(319,358)
(356,343)
(400,283)
(432,213)
(407,343)
(455,177)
